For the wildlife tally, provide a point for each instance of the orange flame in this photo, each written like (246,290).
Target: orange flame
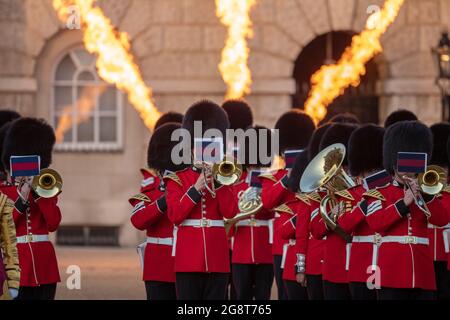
(115,64)
(234,69)
(331,80)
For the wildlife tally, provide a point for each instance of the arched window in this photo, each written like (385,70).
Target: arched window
(362,101)
(87,112)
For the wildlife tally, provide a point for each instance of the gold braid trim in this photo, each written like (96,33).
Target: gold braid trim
(140,197)
(374,194)
(314,196)
(173,177)
(268,176)
(303,197)
(284,208)
(345,194)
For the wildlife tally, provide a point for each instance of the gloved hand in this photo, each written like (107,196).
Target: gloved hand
(13,293)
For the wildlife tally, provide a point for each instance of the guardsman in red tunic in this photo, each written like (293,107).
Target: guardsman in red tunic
(437,235)
(150,214)
(252,267)
(337,246)
(240,116)
(34,216)
(295,129)
(202,262)
(405,263)
(365,157)
(446,203)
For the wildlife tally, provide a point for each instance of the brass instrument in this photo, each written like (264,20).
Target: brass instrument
(226,172)
(325,172)
(249,203)
(431,182)
(47,184)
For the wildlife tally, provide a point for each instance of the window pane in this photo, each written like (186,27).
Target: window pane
(108,99)
(66,69)
(84,57)
(63,98)
(68,137)
(86,98)
(85,128)
(108,129)
(86,76)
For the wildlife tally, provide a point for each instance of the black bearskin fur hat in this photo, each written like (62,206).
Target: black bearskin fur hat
(314,143)
(338,133)
(365,149)
(169,117)
(405,136)
(300,164)
(345,118)
(441,133)
(239,114)
(29,136)
(398,116)
(295,129)
(8,116)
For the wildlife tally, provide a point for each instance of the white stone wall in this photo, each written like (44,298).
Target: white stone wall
(177,45)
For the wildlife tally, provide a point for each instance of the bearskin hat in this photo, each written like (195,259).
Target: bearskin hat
(7,116)
(295,129)
(405,136)
(211,116)
(29,136)
(239,113)
(300,164)
(160,149)
(441,133)
(345,118)
(338,133)
(247,157)
(314,143)
(167,117)
(365,149)
(399,115)
(3,130)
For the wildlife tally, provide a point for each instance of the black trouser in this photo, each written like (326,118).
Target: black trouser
(42,292)
(252,281)
(314,287)
(201,286)
(278,272)
(336,291)
(231,292)
(360,291)
(158,290)
(295,291)
(442,280)
(404,294)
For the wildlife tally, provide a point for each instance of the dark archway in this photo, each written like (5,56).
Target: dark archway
(362,101)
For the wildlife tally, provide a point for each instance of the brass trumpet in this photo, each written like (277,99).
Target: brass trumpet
(47,184)
(226,172)
(431,182)
(325,172)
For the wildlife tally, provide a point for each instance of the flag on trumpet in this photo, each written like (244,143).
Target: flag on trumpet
(411,162)
(209,150)
(290,156)
(25,166)
(377,180)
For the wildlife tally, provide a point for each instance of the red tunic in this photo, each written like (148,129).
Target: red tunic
(150,214)
(363,254)
(336,249)
(288,220)
(307,246)
(203,248)
(251,242)
(37,260)
(438,235)
(275,193)
(408,264)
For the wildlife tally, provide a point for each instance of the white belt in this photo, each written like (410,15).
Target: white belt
(252,223)
(348,248)
(291,243)
(271,230)
(376,240)
(33,238)
(446,235)
(432,226)
(406,240)
(202,223)
(162,241)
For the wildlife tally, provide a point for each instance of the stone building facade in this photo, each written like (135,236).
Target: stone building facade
(177,45)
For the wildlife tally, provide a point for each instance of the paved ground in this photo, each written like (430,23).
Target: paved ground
(106,273)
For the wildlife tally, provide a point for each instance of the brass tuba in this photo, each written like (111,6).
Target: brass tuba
(325,172)
(47,184)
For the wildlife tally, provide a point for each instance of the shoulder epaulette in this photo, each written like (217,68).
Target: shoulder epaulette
(374,194)
(268,175)
(302,197)
(345,194)
(140,197)
(284,208)
(446,189)
(314,196)
(173,177)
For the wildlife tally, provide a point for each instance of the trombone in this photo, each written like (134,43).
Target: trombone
(431,182)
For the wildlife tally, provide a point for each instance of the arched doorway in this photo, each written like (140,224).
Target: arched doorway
(362,101)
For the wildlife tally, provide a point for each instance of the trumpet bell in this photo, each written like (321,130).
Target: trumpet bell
(433,180)
(227,172)
(48,184)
